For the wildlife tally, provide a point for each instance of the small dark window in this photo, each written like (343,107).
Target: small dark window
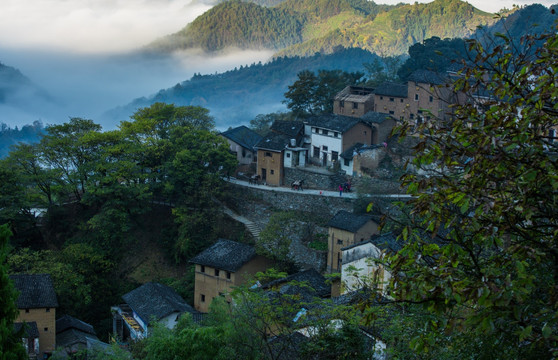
(202,298)
(272,171)
(431,99)
(316,152)
(267,154)
(335,134)
(400,100)
(27,311)
(216,272)
(391,112)
(339,242)
(46,329)
(355,105)
(381,98)
(347,162)
(47,309)
(228,275)
(416,97)
(391,99)
(324,148)
(202,268)
(288,154)
(420,111)
(412,116)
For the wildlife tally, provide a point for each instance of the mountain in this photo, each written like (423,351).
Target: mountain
(303,27)
(237,96)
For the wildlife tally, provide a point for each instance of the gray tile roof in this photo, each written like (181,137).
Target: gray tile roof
(243,136)
(70,337)
(334,122)
(31,330)
(392,89)
(225,255)
(69,322)
(273,142)
(356,148)
(345,220)
(427,77)
(375,117)
(155,301)
(357,94)
(290,128)
(35,291)
(316,283)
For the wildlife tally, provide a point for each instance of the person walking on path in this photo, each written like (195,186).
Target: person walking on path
(340,190)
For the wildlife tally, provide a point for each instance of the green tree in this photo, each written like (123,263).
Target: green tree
(489,204)
(11,347)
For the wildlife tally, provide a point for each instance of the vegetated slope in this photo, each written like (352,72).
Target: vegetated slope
(238,95)
(14,85)
(236,24)
(303,27)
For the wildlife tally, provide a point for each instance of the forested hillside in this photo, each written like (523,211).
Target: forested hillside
(309,26)
(238,95)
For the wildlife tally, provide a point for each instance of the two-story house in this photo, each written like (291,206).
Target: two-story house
(241,142)
(391,98)
(332,134)
(73,335)
(222,266)
(345,229)
(354,101)
(149,303)
(283,146)
(37,304)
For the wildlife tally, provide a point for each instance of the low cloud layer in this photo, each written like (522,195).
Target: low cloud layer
(92,26)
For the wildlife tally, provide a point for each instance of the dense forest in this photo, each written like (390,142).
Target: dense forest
(27,134)
(309,26)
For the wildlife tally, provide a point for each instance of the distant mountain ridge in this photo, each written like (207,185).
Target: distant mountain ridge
(303,27)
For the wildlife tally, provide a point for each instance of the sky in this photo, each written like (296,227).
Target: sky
(78,52)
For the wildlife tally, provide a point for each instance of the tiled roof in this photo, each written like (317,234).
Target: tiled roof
(35,291)
(345,220)
(387,241)
(356,148)
(392,89)
(31,331)
(357,94)
(273,142)
(243,136)
(155,300)
(375,117)
(226,255)
(333,122)
(316,283)
(290,128)
(69,322)
(70,337)
(427,77)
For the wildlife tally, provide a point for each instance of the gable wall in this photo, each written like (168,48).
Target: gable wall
(338,238)
(44,319)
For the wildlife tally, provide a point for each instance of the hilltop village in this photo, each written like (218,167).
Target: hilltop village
(357,234)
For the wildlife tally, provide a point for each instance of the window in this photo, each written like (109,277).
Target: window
(202,296)
(400,100)
(416,97)
(27,311)
(216,272)
(391,112)
(355,105)
(381,98)
(420,111)
(391,99)
(316,152)
(272,171)
(335,134)
(46,329)
(334,155)
(288,154)
(228,275)
(342,103)
(324,148)
(347,162)
(267,154)
(324,132)
(47,310)
(431,98)
(202,268)
(339,242)
(412,116)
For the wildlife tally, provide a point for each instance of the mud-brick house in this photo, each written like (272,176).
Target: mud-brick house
(149,303)
(362,262)
(428,96)
(282,147)
(391,98)
(222,266)
(381,124)
(345,229)
(37,304)
(331,134)
(241,142)
(30,337)
(354,101)
(361,157)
